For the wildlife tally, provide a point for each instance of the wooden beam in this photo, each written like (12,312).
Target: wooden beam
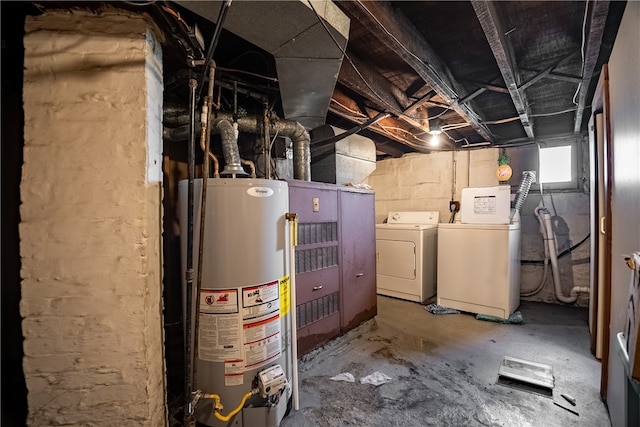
(472,95)
(545,72)
(419,103)
(488,86)
(556,76)
(415,87)
(361,78)
(400,35)
(593,41)
(502,49)
(344,106)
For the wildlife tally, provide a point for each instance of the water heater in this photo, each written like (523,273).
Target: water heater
(244,331)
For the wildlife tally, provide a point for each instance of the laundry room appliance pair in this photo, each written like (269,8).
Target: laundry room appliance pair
(474,264)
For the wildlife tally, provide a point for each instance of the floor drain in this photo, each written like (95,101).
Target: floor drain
(527,376)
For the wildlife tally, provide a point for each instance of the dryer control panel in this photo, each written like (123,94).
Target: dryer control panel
(421,217)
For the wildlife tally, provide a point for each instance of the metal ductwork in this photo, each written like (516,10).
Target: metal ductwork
(230,151)
(307,58)
(248,124)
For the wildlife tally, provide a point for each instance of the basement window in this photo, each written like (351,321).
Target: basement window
(558,169)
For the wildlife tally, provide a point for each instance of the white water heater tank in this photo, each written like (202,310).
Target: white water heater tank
(244,312)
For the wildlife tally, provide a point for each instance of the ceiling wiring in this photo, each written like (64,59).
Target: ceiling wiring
(348,108)
(406,49)
(364,80)
(554,113)
(233,70)
(584,26)
(344,52)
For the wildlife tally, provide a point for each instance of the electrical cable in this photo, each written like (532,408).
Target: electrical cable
(176,15)
(560,255)
(433,70)
(141,3)
(584,25)
(224,7)
(233,70)
(344,52)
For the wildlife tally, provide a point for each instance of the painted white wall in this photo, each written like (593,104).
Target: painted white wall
(426,182)
(624,89)
(90,231)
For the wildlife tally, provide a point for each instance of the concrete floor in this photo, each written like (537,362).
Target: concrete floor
(444,370)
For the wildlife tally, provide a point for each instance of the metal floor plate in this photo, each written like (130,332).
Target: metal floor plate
(527,376)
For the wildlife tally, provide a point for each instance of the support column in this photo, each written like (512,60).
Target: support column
(90,226)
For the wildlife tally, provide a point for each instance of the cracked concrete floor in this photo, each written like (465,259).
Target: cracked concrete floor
(444,370)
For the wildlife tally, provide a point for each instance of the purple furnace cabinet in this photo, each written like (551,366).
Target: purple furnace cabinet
(335,260)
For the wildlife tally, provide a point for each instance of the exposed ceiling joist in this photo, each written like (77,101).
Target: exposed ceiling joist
(488,86)
(555,75)
(389,127)
(366,81)
(415,87)
(593,39)
(398,33)
(420,102)
(544,73)
(494,30)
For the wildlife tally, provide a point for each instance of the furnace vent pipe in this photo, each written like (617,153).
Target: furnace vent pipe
(230,151)
(282,127)
(254,124)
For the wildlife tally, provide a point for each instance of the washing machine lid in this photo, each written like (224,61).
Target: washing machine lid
(419,217)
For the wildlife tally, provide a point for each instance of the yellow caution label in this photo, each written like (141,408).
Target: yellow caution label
(285,295)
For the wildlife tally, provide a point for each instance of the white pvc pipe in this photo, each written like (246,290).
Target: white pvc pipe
(550,242)
(293,224)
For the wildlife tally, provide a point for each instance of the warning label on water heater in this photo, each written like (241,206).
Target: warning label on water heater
(240,327)
(261,323)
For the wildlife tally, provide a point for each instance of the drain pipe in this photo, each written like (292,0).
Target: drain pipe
(188,366)
(551,242)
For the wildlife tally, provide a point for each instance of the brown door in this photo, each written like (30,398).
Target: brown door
(601,226)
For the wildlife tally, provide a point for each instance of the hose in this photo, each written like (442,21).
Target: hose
(217,406)
(523,190)
(543,232)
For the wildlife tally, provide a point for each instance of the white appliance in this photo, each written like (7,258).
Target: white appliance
(406,248)
(486,205)
(479,263)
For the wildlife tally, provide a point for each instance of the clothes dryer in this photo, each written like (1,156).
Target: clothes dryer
(406,248)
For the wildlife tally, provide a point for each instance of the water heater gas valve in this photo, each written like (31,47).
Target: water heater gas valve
(271,381)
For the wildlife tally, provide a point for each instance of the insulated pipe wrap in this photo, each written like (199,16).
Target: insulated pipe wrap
(301,147)
(233,165)
(253,124)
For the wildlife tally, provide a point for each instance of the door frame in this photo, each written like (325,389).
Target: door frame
(601,104)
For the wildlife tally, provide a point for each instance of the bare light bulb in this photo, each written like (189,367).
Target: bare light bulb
(435,139)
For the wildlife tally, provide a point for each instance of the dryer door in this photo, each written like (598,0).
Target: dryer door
(396,258)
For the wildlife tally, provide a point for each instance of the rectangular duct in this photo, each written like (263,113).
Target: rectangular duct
(307,58)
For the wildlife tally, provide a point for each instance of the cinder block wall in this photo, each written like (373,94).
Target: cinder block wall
(91,220)
(424,182)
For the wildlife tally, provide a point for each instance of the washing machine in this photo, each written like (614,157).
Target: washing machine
(406,248)
(479,261)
